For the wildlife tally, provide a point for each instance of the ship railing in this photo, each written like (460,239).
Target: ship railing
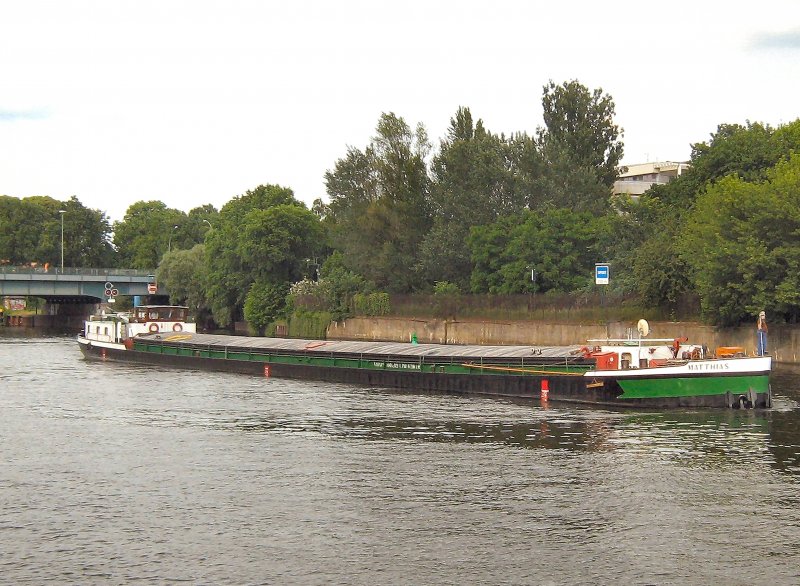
(631,341)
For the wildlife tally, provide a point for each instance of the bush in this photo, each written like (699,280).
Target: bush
(445,288)
(263,304)
(371,304)
(309,324)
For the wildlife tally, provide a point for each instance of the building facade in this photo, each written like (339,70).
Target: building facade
(640,177)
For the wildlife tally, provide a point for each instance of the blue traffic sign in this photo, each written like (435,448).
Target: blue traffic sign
(601,274)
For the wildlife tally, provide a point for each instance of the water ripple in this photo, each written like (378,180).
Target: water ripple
(120,474)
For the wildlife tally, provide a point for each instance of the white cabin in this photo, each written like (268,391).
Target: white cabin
(145,319)
(643,353)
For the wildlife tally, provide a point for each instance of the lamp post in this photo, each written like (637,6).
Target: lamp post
(169,242)
(62,212)
(532,304)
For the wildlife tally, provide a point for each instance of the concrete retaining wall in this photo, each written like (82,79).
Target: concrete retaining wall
(784,341)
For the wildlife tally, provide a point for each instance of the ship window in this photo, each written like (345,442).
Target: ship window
(106,331)
(625,360)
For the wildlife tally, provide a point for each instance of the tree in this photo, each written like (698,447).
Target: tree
(30,231)
(264,303)
(567,183)
(663,273)
(747,259)
(263,236)
(747,151)
(472,185)
(560,245)
(199,221)
(185,275)
(580,125)
(379,207)
(472,175)
(145,233)
(87,236)
(338,285)
(333,292)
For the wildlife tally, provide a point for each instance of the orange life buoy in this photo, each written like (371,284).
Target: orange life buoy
(153,327)
(177,328)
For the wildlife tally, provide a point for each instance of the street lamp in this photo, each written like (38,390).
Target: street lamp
(62,212)
(207,222)
(533,281)
(169,242)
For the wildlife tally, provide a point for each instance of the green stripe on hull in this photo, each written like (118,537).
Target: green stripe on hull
(649,388)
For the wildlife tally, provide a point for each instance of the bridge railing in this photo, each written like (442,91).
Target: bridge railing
(27,270)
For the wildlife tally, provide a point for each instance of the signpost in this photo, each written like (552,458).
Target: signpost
(111,292)
(601,273)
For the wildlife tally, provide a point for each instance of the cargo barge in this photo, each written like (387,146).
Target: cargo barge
(638,372)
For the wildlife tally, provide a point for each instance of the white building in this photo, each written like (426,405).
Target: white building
(640,177)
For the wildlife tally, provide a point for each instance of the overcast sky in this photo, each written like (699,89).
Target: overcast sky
(194,102)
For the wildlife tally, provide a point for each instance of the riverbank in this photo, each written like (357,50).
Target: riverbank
(43,321)
(784,341)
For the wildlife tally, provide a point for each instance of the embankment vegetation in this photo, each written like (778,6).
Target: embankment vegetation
(482,224)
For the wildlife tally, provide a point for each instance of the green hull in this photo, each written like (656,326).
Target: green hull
(648,388)
(362,363)
(522,376)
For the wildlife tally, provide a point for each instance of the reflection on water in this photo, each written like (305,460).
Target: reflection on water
(119,473)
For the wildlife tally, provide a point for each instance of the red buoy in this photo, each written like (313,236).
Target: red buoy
(545,389)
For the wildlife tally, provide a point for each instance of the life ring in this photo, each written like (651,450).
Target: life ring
(153,328)
(177,328)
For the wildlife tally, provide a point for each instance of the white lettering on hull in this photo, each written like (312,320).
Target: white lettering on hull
(709,366)
(397,365)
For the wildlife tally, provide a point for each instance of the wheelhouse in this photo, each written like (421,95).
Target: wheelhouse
(159,313)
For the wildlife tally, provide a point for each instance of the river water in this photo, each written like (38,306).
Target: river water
(115,474)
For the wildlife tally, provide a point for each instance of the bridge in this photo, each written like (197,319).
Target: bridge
(76,285)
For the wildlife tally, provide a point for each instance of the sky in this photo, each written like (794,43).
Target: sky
(196,102)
